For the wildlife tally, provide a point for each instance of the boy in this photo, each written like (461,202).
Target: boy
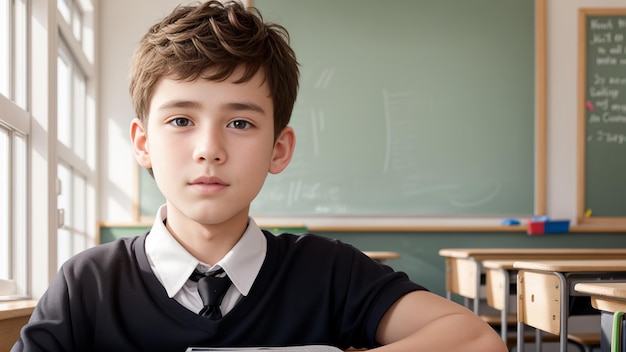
(213,88)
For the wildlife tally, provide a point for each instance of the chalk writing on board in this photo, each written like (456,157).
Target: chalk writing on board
(608,137)
(603,108)
(605,104)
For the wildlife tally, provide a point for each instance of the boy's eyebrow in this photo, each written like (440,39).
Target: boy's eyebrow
(245,106)
(172,104)
(235,106)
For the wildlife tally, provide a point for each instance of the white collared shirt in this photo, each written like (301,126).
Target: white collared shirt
(173,265)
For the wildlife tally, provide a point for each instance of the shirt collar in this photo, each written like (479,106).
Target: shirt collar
(173,265)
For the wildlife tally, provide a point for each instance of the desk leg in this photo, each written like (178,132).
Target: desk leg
(504,314)
(606,325)
(479,274)
(564,311)
(448,292)
(520,337)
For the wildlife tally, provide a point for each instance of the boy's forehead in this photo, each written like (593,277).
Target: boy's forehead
(257,82)
(237,76)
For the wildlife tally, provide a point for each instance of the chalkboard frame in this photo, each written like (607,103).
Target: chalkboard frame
(410,223)
(584,214)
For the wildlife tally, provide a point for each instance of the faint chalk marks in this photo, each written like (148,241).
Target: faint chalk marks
(387,132)
(294,192)
(491,194)
(317,125)
(415,191)
(401,110)
(324,79)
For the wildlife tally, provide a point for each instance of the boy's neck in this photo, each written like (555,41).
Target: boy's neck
(208,243)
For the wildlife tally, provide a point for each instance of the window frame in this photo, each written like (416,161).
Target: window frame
(35,255)
(73,233)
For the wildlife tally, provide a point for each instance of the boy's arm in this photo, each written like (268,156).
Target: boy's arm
(49,328)
(424,321)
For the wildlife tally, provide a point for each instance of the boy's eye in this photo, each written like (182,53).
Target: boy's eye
(181,122)
(240,124)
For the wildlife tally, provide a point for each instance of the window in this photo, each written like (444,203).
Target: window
(47,140)
(13,46)
(75,131)
(14,154)
(5,40)
(12,212)
(72,202)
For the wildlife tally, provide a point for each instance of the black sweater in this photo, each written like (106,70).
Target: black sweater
(310,290)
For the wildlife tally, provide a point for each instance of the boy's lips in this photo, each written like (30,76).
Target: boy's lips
(208,180)
(208,185)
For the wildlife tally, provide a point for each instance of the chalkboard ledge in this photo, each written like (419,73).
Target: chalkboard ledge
(392,224)
(599,228)
(384,224)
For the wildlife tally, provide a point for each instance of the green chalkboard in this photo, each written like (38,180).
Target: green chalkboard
(408,108)
(110,233)
(150,198)
(414,107)
(603,101)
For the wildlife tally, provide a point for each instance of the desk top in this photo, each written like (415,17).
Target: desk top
(605,296)
(12,309)
(506,264)
(533,253)
(581,265)
(607,289)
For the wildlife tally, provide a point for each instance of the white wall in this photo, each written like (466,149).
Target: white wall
(124,22)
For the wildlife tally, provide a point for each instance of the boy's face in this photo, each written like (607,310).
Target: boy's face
(210,145)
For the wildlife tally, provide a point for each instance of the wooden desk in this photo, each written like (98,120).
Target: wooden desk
(500,284)
(382,256)
(464,265)
(500,274)
(13,315)
(544,288)
(608,297)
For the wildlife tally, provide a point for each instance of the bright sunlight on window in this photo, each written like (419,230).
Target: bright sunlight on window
(47,147)
(12,212)
(14,130)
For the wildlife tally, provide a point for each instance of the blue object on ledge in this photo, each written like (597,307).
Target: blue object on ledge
(510,222)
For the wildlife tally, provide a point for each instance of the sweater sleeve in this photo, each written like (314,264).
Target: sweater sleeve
(371,288)
(53,323)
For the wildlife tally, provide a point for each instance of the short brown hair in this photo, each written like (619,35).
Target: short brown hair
(219,37)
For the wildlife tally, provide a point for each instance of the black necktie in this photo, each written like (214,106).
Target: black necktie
(212,290)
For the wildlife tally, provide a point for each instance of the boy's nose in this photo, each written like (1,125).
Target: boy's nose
(210,147)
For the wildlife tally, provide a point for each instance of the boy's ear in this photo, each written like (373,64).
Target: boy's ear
(139,139)
(283,150)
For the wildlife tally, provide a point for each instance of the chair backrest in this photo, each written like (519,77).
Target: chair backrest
(538,301)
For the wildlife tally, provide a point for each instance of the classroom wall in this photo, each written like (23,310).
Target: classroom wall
(123,23)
